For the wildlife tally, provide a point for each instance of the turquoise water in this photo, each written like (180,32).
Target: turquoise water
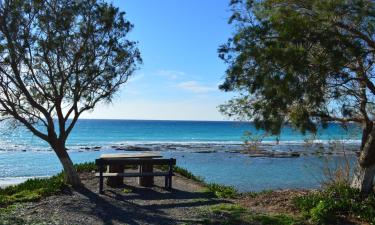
(23,156)
(110,132)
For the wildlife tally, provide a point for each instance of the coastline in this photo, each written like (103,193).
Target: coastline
(292,162)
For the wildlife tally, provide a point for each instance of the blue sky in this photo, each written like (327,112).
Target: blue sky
(181,71)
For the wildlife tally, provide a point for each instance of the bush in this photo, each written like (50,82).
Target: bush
(336,200)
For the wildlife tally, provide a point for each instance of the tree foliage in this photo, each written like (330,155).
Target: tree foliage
(59,58)
(301,62)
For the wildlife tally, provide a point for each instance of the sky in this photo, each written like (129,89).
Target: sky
(181,70)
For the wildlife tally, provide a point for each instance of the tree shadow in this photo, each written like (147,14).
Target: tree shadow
(111,212)
(118,207)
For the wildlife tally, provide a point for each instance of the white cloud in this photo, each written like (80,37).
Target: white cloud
(188,109)
(171,74)
(195,87)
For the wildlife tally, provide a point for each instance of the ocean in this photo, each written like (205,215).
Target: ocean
(210,149)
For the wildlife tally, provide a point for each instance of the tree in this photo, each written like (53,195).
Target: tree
(58,59)
(304,63)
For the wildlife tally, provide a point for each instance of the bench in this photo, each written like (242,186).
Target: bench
(141,162)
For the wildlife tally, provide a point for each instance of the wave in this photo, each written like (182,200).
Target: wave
(184,145)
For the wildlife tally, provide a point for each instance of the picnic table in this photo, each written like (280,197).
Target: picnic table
(145,181)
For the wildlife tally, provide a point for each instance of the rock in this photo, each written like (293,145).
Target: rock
(295,154)
(232,151)
(206,151)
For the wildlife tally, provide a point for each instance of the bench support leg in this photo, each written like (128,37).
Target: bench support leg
(101,185)
(170,182)
(101,180)
(146,181)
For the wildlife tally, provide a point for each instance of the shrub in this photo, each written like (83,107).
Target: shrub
(86,167)
(233,214)
(336,200)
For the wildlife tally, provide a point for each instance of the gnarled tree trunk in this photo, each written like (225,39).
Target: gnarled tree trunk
(365,171)
(71,174)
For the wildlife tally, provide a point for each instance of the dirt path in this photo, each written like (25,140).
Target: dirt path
(128,205)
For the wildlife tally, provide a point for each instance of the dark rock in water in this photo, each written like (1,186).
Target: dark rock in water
(132,148)
(206,151)
(274,154)
(97,147)
(295,154)
(24,150)
(232,151)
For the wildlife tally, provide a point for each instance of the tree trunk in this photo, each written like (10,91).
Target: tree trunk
(71,174)
(364,179)
(365,171)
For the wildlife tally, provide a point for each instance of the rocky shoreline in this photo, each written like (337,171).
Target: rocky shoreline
(271,150)
(261,150)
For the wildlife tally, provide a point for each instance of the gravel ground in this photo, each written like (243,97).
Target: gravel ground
(130,204)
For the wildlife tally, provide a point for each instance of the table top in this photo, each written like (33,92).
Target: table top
(131,155)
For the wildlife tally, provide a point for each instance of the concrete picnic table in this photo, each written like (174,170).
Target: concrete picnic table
(118,181)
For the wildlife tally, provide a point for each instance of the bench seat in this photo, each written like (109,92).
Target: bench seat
(153,174)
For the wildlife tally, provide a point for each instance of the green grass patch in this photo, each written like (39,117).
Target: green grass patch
(233,214)
(334,202)
(32,190)
(127,190)
(184,172)
(221,191)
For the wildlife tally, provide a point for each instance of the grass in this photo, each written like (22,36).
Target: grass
(334,202)
(233,214)
(185,173)
(221,191)
(32,190)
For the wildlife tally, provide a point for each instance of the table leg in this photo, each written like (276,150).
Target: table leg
(115,181)
(146,181)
